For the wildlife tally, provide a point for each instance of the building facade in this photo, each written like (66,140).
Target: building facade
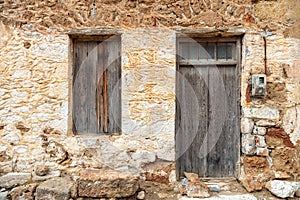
(210,86)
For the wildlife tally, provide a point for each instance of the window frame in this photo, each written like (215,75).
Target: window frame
(185,39)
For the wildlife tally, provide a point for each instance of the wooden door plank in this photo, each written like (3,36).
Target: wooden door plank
(216,121)
(200,146)
(191,119)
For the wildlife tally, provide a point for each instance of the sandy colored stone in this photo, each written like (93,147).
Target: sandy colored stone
(57,188)
(106,183)
(197,190)
(192,177)
(13,179)
(23,192)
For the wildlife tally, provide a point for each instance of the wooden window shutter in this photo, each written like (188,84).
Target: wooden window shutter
(97,86)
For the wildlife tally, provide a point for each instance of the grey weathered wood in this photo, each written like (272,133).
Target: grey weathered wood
(91,83)
(79,88)
(114,87)
(217,138)
(191,119)
(96,105)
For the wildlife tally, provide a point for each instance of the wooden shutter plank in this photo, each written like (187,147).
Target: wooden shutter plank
(105,89)
(79,89)
(114,87)
(91,82)
(100,94)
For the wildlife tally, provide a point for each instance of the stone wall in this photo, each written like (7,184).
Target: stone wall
(35,73)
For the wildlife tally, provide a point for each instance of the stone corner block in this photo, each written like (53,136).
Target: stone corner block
(14,179)
(102,183)
(56,188)
(247,125)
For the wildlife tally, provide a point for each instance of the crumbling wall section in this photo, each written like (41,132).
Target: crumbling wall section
(270,125)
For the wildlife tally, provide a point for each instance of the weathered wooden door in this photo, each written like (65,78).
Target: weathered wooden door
(207,108)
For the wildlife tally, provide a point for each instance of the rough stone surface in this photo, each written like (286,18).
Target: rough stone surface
(49,175)
(214,188)
(262,151)
(56,151)
(265,123)
(248,144)
(226,197)
(260,141)
(247,125)
(264,112)
(197,190)
(283,189)
(23,192)
(291,123)
(297,193)
(56,188)
(259,130)
(41,170)
(141,195)
(106,184)
(251,184)
(14,179)
(3,195)
(276,137)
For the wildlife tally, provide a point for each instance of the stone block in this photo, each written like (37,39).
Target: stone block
(56,188)
(20,149)
(265,123)
(141,195)
(143,156)
(14,179)
(248,144)
(106,184)
(25,192)
(247,125)
(260,141)
(214,188)
(49,175)
(250,183)
(291,123)
(277,137)
(56,151)
(297,193)
(197,190)
(262,151)
(264,112)
(3,195)
(281,175)
(258,130)
(283,189)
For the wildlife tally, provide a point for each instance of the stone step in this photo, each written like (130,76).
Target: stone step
(59,188)
(101,183)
